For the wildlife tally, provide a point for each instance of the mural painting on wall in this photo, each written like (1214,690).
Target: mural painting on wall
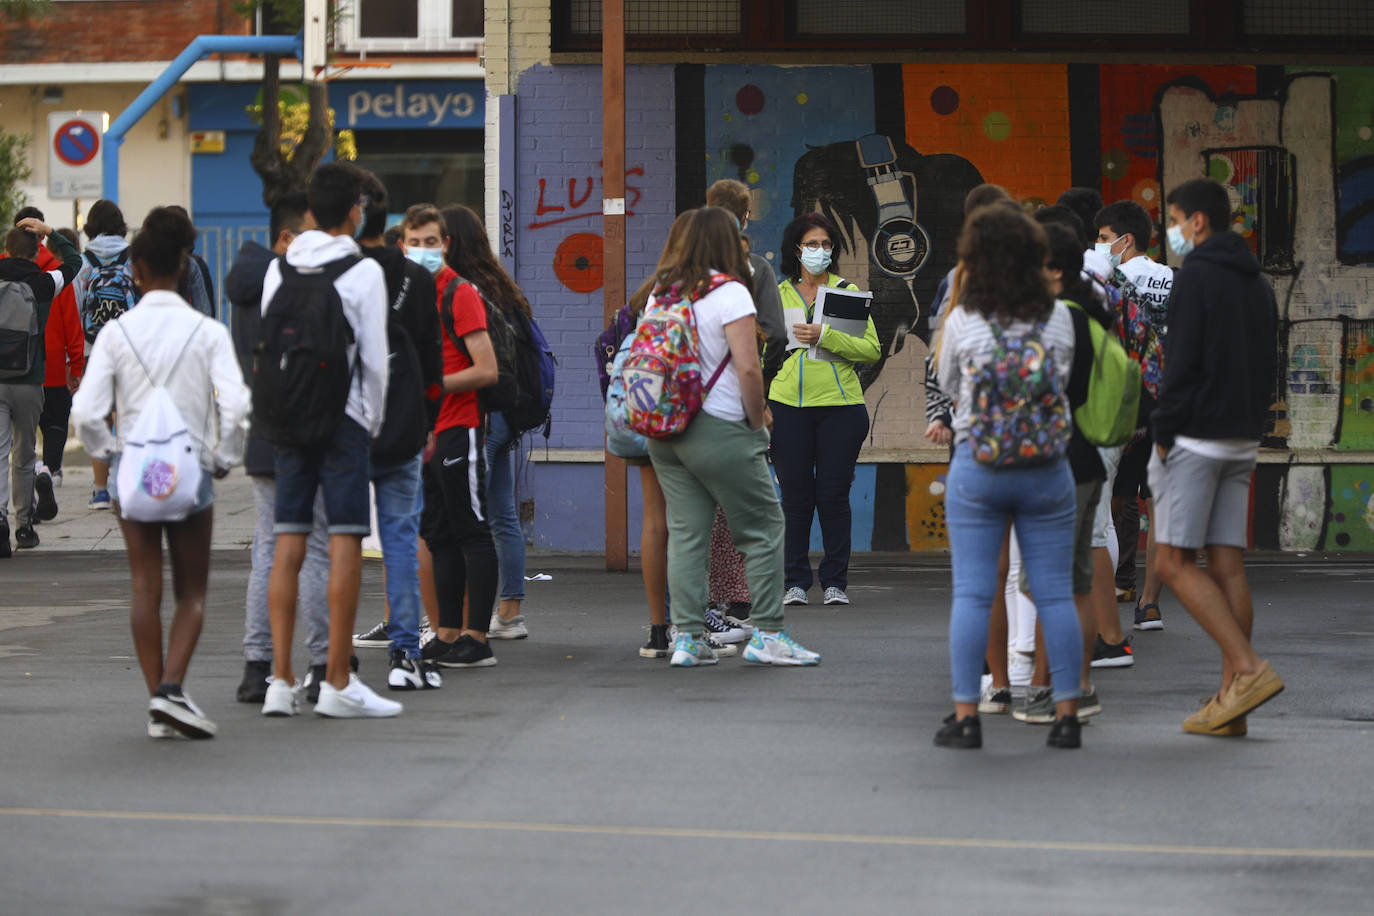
(578,260)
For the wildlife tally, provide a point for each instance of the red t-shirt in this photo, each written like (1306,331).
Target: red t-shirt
(468,315)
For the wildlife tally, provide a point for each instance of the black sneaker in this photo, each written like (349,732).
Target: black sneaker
(253,687)
(170,706)
(467,652)
(4,539)
(316,677)
(374,638)
(657,646)
(25,538)
(960,733)
(1065,733)
(1148,617)
(45,509)
(435,648)
(1107,655)
(411,673)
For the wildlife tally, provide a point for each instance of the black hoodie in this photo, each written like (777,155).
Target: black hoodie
(243,287)
(416,312)
(1221,354)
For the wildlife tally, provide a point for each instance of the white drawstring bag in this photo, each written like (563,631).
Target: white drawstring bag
(159,469)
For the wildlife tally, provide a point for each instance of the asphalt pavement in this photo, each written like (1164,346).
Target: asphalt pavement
(576,777)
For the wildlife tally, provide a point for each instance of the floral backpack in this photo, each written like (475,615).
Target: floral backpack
(661,373)
(1020,418)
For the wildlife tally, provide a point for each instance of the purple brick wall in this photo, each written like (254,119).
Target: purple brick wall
(558,216)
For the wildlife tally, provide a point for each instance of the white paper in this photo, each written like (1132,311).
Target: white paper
(792,317)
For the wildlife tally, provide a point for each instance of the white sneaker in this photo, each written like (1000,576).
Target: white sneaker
(691,653)
(721,631)
(173,708)
(57,479)
(356,701)
(778,649)
(794,595)
(507,629)
(157,730)
(282,699)
(835,595)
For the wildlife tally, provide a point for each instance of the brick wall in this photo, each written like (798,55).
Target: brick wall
(136,30)
(558,216)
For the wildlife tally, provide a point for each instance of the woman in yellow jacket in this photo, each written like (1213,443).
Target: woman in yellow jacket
(819,417)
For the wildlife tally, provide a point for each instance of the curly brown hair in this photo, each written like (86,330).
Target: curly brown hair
(1003,253)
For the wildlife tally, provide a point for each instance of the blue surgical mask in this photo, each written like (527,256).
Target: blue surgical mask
(431,259)
(1177,242)
(815,260)
(1105,249)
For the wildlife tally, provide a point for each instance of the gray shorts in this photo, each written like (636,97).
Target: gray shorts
(1200,501)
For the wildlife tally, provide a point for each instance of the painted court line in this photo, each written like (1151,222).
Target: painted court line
(852,839)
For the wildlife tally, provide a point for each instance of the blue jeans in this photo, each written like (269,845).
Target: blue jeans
(399,501)
(502,513)
(979,501)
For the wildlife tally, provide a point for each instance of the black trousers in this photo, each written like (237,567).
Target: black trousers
(57,412)
(455,527)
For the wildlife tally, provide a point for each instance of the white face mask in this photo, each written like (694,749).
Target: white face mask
(1177,242)
(1105,249)
(431,259)
(815,260)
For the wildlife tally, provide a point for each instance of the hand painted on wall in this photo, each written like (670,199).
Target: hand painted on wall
(579,259)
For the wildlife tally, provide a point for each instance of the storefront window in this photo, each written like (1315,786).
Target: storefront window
(425,166)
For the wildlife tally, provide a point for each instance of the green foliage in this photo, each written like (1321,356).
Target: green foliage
(21,10)
(14,171)
(286,15)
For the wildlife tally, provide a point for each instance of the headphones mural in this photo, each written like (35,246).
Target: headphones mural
(900,245)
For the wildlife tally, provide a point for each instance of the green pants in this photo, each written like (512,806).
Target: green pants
(720,462)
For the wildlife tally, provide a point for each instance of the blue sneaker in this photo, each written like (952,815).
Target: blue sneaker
(689,652)
(100,499)
(778,648)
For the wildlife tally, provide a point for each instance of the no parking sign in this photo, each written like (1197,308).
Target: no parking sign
(74,162)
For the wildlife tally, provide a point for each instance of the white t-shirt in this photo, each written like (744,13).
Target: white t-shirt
(1220,449)
(714,311)
(1154,282)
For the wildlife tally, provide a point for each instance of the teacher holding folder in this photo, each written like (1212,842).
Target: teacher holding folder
(819,417)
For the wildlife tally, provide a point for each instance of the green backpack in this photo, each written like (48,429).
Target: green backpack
(1108,417)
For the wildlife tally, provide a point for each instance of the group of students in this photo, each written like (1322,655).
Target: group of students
(365,359)
(709,499)
(1014,358)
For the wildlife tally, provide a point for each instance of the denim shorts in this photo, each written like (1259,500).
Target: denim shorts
(342,467)
(205,493)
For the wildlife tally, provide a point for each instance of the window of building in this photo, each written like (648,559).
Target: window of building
(880,17)
(1093,17)
(411,25)
(1307,17)
(659,17)
(425,166)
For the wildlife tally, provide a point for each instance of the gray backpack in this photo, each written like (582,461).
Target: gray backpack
(20,337)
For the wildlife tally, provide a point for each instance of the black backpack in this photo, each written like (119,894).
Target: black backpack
(405,427)
(522,392)
(301,371)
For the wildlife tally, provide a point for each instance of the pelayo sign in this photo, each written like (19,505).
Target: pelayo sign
(427,104)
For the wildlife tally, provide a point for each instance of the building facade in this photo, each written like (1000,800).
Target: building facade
(405,76)
(1269,97)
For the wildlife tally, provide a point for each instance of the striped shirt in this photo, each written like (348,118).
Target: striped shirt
(966,343)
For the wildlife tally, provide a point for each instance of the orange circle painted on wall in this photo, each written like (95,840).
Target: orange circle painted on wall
(578,263)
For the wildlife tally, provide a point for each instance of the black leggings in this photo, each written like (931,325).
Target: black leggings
(57,411)
(454,525)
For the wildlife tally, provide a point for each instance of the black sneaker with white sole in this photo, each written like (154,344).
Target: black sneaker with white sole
(374,638)
(253,687)
(171,706)
(1112,655)
(412,673)
(467,652)
(25,538)
(45,509)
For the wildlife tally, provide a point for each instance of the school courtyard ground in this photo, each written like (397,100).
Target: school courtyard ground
(576,777)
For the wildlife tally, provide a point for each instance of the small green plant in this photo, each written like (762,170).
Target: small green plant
(21,10)
(14,171)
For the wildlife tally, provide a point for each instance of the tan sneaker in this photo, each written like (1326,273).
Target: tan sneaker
(1202,722)
(1247,692)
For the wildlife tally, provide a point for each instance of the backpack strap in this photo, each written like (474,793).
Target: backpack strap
(177,362)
